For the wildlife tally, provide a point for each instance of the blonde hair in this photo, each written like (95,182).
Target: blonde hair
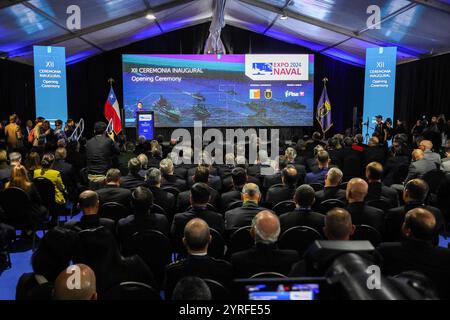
(19,178)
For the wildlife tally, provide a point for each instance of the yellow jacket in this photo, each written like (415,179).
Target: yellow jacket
(55,177)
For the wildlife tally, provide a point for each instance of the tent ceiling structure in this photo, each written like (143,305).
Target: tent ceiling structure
(336,28)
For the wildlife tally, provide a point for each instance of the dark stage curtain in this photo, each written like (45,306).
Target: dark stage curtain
(87,84)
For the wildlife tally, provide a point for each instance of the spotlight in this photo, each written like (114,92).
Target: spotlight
(283,16)
(150,16)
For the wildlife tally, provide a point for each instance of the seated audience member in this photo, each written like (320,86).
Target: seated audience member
(376,191)
(196,240)
(132,180)
(142,218)
(168,177)
(445,165)
(338,226)
(112,191)
(89,204)
(417,251)
(125,156)
(86,289)
(264,256)
(15,158)
(5,169)
(414,195)
(331,189)
(275,178)
(155,156)
(54,253)
(98,249)
(162,198)
(323,160)
(198,199)
(426,146)
(262,161)
(201,175)
(32,162)
(374,152)
(19,179)
(191,288)
(311,159)
(54,176)
(419,165)
(303,214)
(66,170)
(361,213)
(285,190)
(144,165)
(243,216)
(239,178)
(352,159)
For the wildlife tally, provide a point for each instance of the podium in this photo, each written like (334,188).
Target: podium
(145,124)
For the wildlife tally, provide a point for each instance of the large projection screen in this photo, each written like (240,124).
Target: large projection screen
(233,90)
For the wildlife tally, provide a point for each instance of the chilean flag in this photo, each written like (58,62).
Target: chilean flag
(111,110)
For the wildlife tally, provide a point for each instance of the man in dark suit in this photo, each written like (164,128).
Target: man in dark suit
(417,251)
(199,198)
(100,151)
(303,214)
(419,166)
(285,190)
(142,217)
(132,180)
(414,195)
(374,152)
(352,162)
(201,175)
(264,256)
(338,226)
(331,189)
(239,177)
(112,192)
(361,213)
(376,191)
(242,217)
(275,178)
(89,204)
(162,198)
(67,173)
(196,240)
(323,161)
(168,177)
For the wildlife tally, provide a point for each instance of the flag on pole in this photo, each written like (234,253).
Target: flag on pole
(112,111)
(324,110)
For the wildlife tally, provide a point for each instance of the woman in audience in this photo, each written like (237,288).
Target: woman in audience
(54,176)
(99,250)
(19,179)
(32,162)
(53,255)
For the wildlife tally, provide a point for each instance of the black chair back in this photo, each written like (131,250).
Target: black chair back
(16,204)
(241,239)
(172,190)
(267,275)
(298,238)
(216,248)
(381,203)
(329,204)
(218,291)
(283,207)
(434,178)
(113,210)
(208,205)
(131,291)
(234,205)
(158,209)
(153,247)
(365,232)
(46,190)
(343,185)
(317,186)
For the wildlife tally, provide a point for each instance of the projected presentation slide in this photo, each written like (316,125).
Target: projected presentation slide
(220,90)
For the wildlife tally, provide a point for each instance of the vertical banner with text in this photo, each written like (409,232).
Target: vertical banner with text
(50,82)
(379,88)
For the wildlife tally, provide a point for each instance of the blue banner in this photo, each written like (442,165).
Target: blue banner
(145,124)
(50,82)
(379,88)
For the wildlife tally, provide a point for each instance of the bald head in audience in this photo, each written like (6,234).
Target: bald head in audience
(419,224)
(250,192)
(196,236)
(356,190)
(333,177)
(338,225)
(265,227)
(76,282)
(417,154)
